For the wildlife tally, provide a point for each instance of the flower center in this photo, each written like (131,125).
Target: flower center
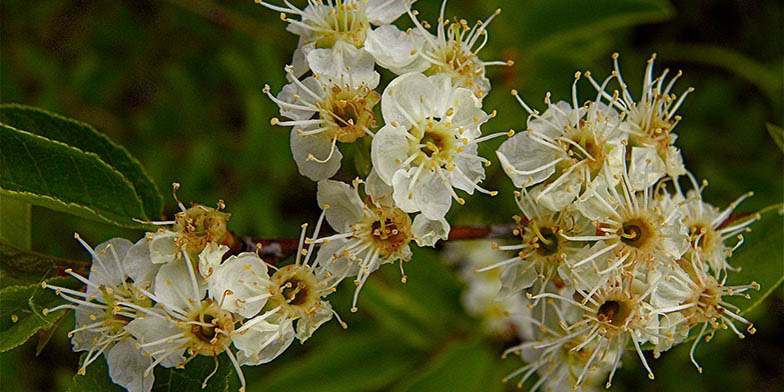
(614,312)
(547,242)
(390,231)
(636,233)
(199,225)
(349,113)
(210,329)
(342,23)
(296,291)
(435,142)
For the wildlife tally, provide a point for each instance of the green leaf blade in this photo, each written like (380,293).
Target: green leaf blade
(58,176)
(86,138)
(22,311)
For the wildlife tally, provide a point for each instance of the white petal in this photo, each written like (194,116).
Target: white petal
(521,153)
(411,98)
(674,162)
(294,94)
(645,168)
(345,206)
(84,340)
(330,257)
(515,278)
(388,151)
(127,365)
(430,194)
(210,258)
(238,279)
(397,50)
(138,263)
(471,171)
(151,329)
(319,146)
(561,195)
(343,64)
(163,247)
(427,231)
(264,341)
(107,270)
(379,191)
(307,325)
(381,12)
(175,288)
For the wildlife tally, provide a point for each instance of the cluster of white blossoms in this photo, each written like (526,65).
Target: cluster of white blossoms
(178,293)
(423,140)
(613,255)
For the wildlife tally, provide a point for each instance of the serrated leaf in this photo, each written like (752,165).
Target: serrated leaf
(21,311)
(761,259)
(86,138)
(577,19)
(96,378)
(777,134)
(193,375)
(15,225)
(21,268)
(462,366)
(348,363)
(52,174)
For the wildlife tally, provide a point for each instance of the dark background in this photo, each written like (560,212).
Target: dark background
(178,83)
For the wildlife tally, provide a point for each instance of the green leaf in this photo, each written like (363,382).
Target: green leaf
(55,175)
(766,78)
(193,375)
(547,24)
(462,366)
(24,268)
(760,259)
(348,363)
(15,225)
(84,137)
(22,311)
(777,134)
(96,378)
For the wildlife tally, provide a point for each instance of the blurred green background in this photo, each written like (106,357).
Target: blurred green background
(178,83)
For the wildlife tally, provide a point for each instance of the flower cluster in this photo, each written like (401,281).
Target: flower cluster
(177,293)
(423,143)
(612,253)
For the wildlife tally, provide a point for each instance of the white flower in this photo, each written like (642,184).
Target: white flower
(710,227)
(428,145)
(119,273)
(370,233)
(543,248)
(651,119)
(183,321)
(453,50)
(334,105)
(324,24)
(564,147)
(637,227)
(241,284)
(563,359)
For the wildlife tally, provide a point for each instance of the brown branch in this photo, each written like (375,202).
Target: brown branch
(274,250)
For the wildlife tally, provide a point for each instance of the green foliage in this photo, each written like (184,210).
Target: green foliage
(95,379)
(22,311)
(15,225)
(65,165)
(193,375)
(777,134)
(577,20)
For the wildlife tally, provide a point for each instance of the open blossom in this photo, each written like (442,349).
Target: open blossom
(429,143)
(322,24)
(119,274)
(651,119)
(334,105)
(371,233)
(543,249)
(453,50)
(709,228)
(564,147)
(558,355)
